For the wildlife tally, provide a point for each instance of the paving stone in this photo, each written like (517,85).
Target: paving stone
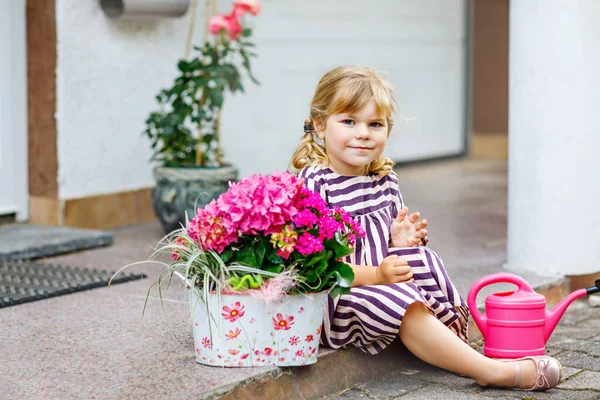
(440,392)
(353,394)
(431,374)
(553,394)
(586,380)
(579,331)
(569,371)
(392,386)
(577,359)
(589,346)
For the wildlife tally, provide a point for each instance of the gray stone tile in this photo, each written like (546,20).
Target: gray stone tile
(352,394)
(590,346)
(441,392)
(579,331)
(576,359)
(392,386)
(431,374)
(553,394)
(589,380)
(569,371)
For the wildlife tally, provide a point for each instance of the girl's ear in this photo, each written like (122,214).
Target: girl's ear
(319,128)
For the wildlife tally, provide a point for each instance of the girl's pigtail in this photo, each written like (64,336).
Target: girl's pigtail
(308,151)
(382,165)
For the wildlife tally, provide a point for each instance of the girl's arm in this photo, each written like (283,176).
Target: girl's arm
(393,269)
(364,275)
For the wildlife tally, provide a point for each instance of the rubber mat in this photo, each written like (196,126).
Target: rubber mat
(23,282)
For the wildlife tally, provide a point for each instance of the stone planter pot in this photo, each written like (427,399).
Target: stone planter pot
(181,190)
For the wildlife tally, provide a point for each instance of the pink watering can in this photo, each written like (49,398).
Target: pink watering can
(517,324)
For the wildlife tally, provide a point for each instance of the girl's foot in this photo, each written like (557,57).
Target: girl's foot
(536,372)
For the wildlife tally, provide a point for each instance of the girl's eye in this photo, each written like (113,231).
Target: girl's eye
(348,122)
(376,125)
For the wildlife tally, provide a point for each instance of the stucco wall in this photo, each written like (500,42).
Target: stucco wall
(109,71)
(553,214)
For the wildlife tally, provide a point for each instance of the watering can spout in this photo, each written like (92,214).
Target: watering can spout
(554,315)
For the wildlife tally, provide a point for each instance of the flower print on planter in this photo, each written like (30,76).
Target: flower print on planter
(233,334)
(268,351)
(294,340)
(244,356)
(300,353)
(233,352)
(234,312)
(283,323)
(309,338)
(206,342)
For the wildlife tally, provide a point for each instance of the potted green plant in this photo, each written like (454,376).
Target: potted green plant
(185,132)
(259,263)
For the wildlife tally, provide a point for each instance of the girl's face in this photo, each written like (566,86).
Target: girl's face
(353,141)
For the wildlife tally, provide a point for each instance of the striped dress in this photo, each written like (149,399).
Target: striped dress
(369,317)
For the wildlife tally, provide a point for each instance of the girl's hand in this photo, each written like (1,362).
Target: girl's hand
(407,230)
(393,269)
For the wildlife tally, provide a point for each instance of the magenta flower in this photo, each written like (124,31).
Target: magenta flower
(308,244)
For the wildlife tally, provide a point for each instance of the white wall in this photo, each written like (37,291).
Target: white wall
(554,137)
(109,71)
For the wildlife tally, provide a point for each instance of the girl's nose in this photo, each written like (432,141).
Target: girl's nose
(363,132)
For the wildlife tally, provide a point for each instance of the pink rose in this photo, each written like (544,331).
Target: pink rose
(241,7)
(229,23)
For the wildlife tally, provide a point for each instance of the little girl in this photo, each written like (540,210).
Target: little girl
(401,287)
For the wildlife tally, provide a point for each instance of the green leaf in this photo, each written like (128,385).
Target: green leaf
(260,249)
(311,276)
(274,258)
(339,245)
(183,66)
(226,255)
(274,268)
(216,97)
(345,276)
(246,256)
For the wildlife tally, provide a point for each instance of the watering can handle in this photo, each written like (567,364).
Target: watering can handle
(500,277)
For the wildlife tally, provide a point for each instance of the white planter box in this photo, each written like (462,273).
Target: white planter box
(243,331)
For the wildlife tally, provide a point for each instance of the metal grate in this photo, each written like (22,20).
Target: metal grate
(22,282)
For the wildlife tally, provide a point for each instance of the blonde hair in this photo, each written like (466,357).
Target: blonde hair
(345,90)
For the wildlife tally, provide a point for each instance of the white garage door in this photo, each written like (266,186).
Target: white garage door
(13,124)
(420,44)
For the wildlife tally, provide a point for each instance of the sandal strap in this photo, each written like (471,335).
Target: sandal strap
(517,368)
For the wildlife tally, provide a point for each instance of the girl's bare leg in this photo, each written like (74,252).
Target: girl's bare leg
(430,340)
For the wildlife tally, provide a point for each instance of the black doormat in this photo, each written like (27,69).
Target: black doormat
(22,282)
